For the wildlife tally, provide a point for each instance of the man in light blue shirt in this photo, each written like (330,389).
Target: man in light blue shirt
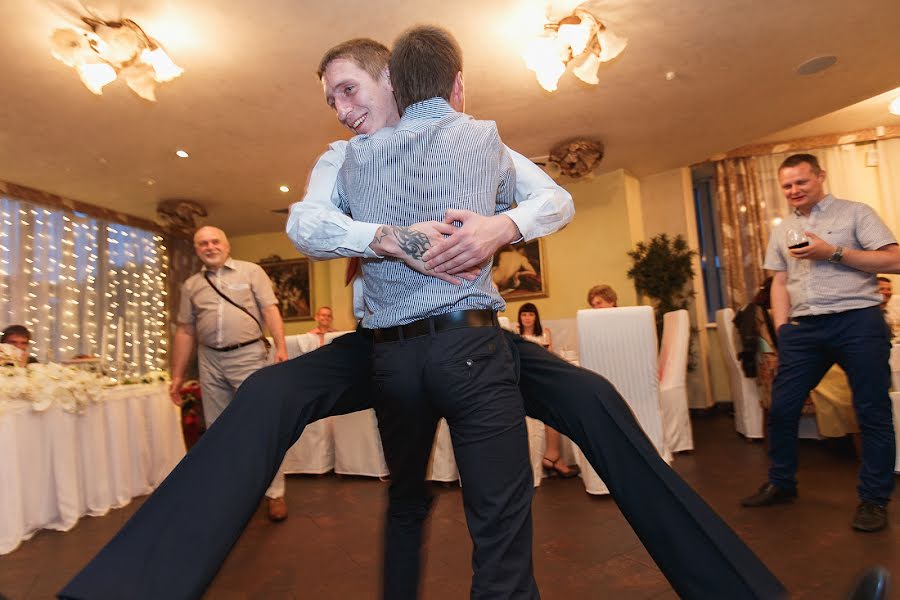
(825,307)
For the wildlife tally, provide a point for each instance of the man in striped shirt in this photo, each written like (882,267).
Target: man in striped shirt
(439,351)
(825,305)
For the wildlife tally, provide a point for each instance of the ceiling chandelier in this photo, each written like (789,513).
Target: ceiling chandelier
(112,49)
(579,39)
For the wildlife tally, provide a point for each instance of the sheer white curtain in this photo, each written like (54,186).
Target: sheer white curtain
(83,286)
(889,181)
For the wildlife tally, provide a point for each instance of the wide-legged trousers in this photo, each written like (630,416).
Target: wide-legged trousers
(175,543)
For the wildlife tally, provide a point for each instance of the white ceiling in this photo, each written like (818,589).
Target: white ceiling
(250,110)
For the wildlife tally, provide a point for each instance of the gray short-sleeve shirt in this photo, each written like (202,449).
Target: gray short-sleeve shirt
(218,323)
(819,287)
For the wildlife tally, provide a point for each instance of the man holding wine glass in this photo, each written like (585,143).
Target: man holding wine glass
(825,306)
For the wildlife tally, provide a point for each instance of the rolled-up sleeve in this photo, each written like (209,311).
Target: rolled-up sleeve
(543,207)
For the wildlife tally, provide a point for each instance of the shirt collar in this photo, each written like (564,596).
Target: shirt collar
(433,108)
(820,206)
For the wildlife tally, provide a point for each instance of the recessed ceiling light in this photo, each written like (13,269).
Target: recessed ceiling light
(181,154)
(894,106)
(150,181)
(815,65)
(285,189)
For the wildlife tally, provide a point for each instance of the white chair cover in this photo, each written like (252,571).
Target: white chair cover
(442,464)
(620,345)
(748,412)
(673,400)
(313,453)
(895,366)
(357,443)
(536,448)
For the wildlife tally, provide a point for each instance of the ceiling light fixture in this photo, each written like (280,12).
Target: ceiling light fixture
(112,49)
(284,189)
(181,154)
(894,106)
(579,39)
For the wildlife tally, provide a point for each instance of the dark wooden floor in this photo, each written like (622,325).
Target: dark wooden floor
(583,548)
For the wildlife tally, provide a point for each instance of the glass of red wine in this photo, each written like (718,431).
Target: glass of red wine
(796,238)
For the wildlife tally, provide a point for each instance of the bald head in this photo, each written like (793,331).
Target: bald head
(212,247)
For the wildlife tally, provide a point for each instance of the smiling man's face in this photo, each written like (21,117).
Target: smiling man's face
(362,104)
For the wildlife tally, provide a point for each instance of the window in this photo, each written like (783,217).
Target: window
(83,286)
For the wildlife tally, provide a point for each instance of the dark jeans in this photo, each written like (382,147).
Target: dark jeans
(467,376)
(174,544)
(859,341)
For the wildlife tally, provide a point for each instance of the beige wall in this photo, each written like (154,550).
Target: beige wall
(592,249)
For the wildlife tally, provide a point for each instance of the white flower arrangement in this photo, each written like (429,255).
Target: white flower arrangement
(11,356)
(70,388)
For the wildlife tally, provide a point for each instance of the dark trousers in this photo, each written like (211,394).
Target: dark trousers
(174,544)
(467,376)
(859,341)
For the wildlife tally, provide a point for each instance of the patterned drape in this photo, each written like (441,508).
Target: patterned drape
(744,230)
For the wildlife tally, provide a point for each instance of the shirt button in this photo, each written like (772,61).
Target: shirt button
(469,362)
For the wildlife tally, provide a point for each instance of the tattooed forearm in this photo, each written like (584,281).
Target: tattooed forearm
(383,232)
(412,242)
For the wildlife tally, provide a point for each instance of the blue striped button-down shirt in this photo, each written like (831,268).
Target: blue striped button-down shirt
(434,160)
(819,287)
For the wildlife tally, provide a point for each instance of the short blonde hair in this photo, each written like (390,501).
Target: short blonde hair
(604,291)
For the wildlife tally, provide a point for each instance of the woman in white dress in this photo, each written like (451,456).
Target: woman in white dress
(530,328)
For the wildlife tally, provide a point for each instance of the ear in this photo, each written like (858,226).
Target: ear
(386,78)
(458,93)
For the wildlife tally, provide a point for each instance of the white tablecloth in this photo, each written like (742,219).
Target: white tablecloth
(56,466)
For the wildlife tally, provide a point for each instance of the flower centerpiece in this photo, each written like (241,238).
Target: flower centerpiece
(46,384)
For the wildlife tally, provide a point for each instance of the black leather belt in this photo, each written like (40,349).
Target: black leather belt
(234,346)
(453,320)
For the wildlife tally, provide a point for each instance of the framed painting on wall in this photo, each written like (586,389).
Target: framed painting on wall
(292,282)
(518,271)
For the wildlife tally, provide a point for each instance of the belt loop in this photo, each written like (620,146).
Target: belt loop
(431,327)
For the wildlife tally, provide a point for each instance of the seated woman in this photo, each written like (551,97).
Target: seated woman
(602,296)
(530,328)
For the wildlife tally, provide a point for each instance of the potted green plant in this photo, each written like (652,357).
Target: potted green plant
(662,270)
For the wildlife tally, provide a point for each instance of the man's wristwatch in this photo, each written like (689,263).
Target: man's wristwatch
(838,255)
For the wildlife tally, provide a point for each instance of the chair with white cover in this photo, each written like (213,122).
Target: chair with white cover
(442,463)
(313,453)
(673,399)
(620,345)
(748,412)
(357,442)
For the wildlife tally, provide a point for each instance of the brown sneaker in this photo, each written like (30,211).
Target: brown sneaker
(277,509)
(869,517)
